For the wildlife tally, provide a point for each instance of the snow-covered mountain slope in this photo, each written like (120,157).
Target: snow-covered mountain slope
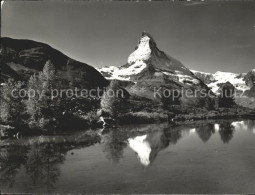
(215,80)
(149,67)
(147,62)
(135,64)
(113,72)
(235,79)
(143,51)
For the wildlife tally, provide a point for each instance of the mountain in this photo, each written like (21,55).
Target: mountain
(149,68)
(146,58)
(242,82)
(22,58)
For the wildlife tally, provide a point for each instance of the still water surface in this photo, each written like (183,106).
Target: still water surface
(210,157)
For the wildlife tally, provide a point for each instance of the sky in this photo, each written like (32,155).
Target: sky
(204,36)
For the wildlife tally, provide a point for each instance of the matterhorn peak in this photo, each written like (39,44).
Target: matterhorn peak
(145,60)
(152,42)
(143,50)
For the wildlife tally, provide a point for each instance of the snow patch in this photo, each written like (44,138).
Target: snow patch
(168,73)
(216,127)
(183,78)
(240,125)
(123,73)
(223,77)
(195,71)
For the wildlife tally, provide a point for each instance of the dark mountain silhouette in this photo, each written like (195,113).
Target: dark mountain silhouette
(22,58)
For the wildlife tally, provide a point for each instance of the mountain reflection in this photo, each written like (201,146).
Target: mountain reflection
(40,158)
(149,145)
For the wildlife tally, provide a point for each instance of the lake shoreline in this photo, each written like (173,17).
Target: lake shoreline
(237,113)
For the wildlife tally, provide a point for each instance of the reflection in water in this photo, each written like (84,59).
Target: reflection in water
(43,162)
(226,131)
(205,131)
(158,141)
(245,125)
(40,158)
(142,147)
(251,125)
(216,127)
(114,144)
(40,162)
(240,124)
(149,145)
(11,160)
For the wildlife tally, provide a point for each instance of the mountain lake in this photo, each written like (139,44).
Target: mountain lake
(206,157)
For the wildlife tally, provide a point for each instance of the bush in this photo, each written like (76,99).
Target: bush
(142,117)
(113,100)
(92,119)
